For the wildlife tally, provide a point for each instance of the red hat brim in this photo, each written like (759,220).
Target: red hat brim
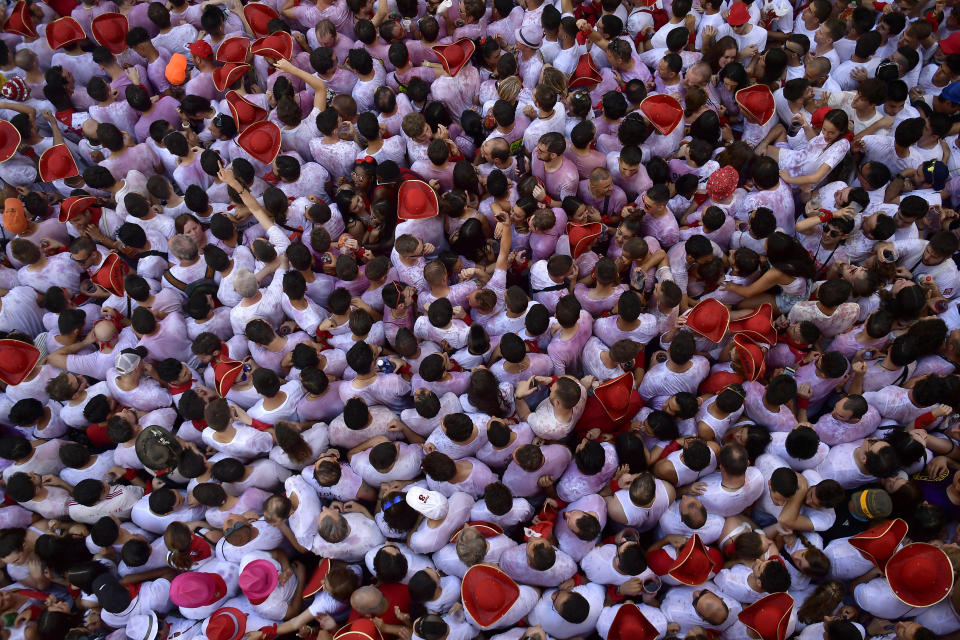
(57,163)
(111,273)
(585,73)
(758,101)
(936,570)
(258,16)
(315,583)
(769,617)
(417,201)
(238,616)
(74,206)
(110,31)
(693,565)
(483,576)
(277,45)
(630,624)
(9,140)
(244,112)
(758,326)
(20,21)
(228,74)
(234,49)
(360,629)
(454,57)
(710,318)
(63,32)
(267,150)
(580,235)
(752,357)
(614,396)
(17,360)
(663,112)
(225,373)
(880,542)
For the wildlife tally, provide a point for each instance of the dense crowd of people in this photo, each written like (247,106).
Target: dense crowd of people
(435,320)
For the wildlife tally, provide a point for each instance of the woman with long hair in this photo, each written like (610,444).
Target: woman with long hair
(486,395)
(808,166)
(791,270)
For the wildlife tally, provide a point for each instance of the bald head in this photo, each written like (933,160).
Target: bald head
(104,330)
(698,75)
(368,601)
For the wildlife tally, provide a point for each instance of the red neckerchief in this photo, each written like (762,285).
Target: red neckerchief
(670,448)
(199,548)
(177,389)
(271,178)
(133,589)
(66,118)
(533,346)
(33,593)
(797,349)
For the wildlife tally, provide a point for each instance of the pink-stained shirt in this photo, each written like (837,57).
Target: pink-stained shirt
(561,183)
(782,420)
(524,483)
(841,320)
(170,340)
(660,382)
(565,354)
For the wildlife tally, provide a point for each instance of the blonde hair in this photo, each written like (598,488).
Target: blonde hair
(555,80)
(509,88)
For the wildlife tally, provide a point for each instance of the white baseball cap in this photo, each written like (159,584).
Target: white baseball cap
(143,626)
(430,503)
(126,362)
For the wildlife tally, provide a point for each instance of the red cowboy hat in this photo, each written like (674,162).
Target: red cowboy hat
(581,236)
(486,529)
(17,360)
(487,594)
(416,201)
(276,45)
(769,617)
(261,140)
(360,629)
(20,21)
(614,396)
(74,206)
(758,326)
(63,32)
(663,112)
(225,373)
(228,74)
(111,273)
(258,16)
(455,57)
(244,112)
(694,564)
(9,140)
(234,49)
(110,31)
(631,624)
(752,357)
(757,100)
(710,318)
(920,574)
(880,542)
(315,583)
(227,623)
(585,74)
(57,163)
